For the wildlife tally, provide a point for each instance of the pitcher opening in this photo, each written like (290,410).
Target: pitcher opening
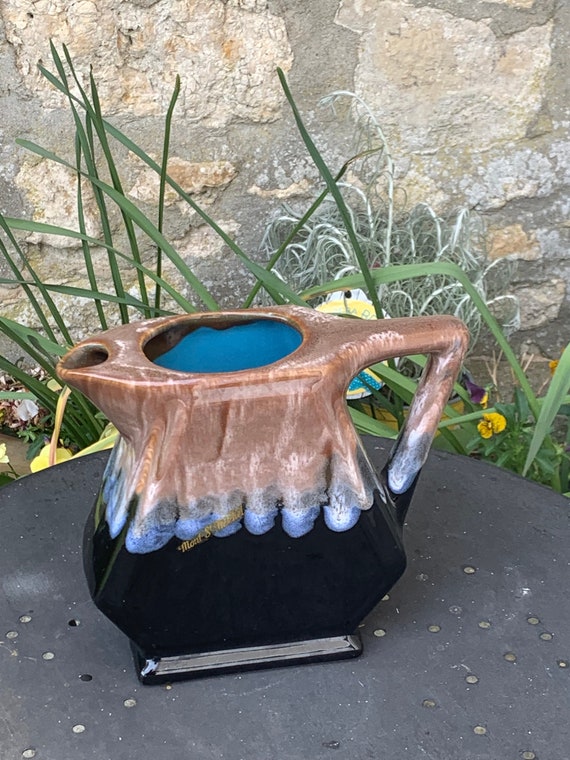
(225,349)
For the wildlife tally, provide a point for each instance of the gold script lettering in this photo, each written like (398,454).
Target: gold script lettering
(209,530)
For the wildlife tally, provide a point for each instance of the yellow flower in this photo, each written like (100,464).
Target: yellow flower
(552,366)
(491,424)
(4,458)
(42,460)
(485,400)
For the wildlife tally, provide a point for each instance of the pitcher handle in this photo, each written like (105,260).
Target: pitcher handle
(445,339)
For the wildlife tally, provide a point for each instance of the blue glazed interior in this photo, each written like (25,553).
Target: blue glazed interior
(245,346)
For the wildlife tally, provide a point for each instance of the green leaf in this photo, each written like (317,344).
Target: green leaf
(126,299)
(553,400)
(17,395)
(27,336)
(369,426)
(390,274)
(50,306)
(162,184)
(278,289)
(336,193)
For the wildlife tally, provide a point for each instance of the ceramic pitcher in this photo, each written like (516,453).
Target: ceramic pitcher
(239,522)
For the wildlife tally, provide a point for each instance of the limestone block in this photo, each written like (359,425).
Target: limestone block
(194,178)
(512,241)
(203,242)
(521,174)
(541,303)
(10,295)
(437,78)
(450,96)
(51,189)
(225,53)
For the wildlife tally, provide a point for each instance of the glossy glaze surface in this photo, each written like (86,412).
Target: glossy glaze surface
(245,590)
(238,508)
(196,448)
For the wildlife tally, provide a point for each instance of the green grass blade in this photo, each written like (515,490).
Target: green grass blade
(85,136)
(27,225)
(278,289)
(336,194)
(18,279)
(144,223)
(300,224)
(33,147)
(162,184)
(553,400)
(87,259)
(115,178)
(16,395)
(411,271)
(129,209)
(369,426)
(41,350)
(50,305)
(92,171)
(405,389)
(126,300)
(460,419)
(76,292)
(27,336)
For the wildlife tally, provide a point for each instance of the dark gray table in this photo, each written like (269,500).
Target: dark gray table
(468,658)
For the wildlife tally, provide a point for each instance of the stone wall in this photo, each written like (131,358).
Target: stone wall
(472,95)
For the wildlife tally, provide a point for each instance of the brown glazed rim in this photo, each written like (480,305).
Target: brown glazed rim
(130,343)
(118,355)
(292,413)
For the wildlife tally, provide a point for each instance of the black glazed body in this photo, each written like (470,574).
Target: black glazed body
(245,590)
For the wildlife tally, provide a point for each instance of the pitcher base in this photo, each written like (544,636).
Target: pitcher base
(165,669)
